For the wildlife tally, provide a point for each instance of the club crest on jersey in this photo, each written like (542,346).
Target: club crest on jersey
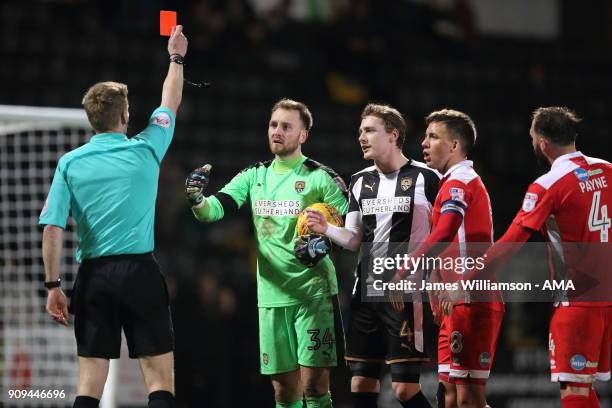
(406,183)
(581,174)
(265,358)
(299,186)
(529,202)
(457,194)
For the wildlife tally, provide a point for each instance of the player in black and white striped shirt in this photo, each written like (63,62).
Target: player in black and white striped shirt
(390,206)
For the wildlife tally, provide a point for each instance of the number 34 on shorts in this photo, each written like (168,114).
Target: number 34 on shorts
(297,335)
(317,342)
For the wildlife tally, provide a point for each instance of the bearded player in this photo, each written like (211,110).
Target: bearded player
(569,206)
(390,207)
(296,285)
(461,216)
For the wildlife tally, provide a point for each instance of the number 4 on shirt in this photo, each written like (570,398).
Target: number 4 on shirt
(596,223)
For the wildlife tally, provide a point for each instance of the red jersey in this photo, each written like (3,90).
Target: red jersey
(463,192)
(468,337)
(569,205)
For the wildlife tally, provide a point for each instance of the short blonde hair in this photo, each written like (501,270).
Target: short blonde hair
(104,104)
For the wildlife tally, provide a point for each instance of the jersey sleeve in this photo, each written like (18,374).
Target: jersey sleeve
(235,193)
(353,204)
(350,235)
(538,204)
(57,205)
(230,198)
(455,196)
(432,183)
(159,132)
(333,192)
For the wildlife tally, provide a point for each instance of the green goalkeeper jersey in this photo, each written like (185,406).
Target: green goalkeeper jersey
(277,191)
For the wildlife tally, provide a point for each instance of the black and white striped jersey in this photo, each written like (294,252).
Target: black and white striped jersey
(392,211)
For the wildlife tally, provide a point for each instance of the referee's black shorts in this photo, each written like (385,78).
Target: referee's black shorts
(125,292)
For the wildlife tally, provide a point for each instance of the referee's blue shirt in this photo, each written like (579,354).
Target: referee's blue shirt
(110,185)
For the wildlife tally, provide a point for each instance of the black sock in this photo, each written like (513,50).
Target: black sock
(83,401)
(441,395)
(417,401)
(365,399)
(161,399)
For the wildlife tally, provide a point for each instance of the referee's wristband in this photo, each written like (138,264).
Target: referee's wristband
(177,59)
(53,284)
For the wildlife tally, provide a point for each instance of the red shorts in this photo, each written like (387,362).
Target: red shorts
(467,342)
(579,345)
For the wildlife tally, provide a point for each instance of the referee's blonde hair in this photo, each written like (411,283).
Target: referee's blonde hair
(104,104)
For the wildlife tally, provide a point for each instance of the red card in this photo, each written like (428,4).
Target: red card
(167,20)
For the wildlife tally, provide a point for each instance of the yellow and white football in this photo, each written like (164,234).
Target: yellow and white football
(332,215)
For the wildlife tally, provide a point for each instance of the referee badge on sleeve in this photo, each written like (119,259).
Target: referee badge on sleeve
(162,119)
(529,202)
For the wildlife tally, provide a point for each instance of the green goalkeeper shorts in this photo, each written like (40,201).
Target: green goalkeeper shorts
(300,335)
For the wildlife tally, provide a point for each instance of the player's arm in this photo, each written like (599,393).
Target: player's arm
(229,199)
(537,206)
(349,236)
(502,251)
(310,249)
(172,90)
(53,217)
(455,201)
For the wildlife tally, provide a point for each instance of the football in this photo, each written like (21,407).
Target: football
(332,215)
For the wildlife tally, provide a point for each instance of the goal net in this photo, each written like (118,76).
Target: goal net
(36,354)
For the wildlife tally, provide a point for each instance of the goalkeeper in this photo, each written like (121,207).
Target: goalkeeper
(296,281)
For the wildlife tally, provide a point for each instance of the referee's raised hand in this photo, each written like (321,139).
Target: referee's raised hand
(57,306)
(177,43)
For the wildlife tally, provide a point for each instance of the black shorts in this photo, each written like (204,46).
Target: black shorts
(121,292)
(378,333)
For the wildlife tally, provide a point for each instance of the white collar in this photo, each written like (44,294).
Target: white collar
(564,157)
(463,163)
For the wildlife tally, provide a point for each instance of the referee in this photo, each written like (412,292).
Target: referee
(110,187)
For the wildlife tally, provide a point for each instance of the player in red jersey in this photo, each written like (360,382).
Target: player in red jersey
(461,216)
(569,205)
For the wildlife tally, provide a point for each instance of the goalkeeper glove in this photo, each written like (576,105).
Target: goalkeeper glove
(195,184)
(311,248)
